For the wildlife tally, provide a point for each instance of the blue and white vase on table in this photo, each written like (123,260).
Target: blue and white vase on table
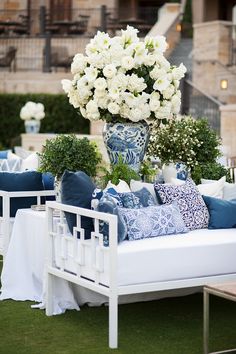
(128,140)
(177,170)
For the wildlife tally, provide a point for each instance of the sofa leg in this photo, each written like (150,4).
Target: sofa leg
(113,322)
(49,294)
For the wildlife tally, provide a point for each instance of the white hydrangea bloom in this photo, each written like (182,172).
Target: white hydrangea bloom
(32,110)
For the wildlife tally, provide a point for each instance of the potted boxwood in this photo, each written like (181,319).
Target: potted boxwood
(67,152)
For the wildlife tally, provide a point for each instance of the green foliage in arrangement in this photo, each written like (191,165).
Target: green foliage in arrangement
(187,139)
(60,116)
(211,170)
(120,171)
(191,141)
(67,152)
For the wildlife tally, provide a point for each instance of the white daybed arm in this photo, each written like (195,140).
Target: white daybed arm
(5,218)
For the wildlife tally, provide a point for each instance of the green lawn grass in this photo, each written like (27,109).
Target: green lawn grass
(167,326)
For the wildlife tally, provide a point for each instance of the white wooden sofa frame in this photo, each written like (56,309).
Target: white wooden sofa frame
(113,290)
(5,219)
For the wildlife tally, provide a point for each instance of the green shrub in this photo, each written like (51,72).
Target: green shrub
(212,170)
(60,116)
(120,171)
(67,152)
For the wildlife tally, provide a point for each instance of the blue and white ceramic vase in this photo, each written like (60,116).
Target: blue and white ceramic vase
(177,170)
(32,126)
(128,140)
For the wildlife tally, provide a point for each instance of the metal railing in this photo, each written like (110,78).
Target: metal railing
(198,104)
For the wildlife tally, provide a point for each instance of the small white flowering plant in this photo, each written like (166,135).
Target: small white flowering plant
(32,110)
(125,79)
(185,139)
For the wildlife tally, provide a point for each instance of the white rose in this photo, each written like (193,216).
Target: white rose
(78,64)
(161,84)
(149,60)
(93,116)
(66,85)
(160,44)
(100,93)
(113,108)
(102,102)
(176,103)
(136,115)
(178,73)
(136,83)
(129,99)
(100,83)
(92,107)
(125,111)
(109,71)
(168,93)
(114,93)
(154,102)
(157,72)
(127,62)
(91,73)
(164,112)
(74,98)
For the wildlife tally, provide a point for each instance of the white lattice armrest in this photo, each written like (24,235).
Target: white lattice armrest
(59,232)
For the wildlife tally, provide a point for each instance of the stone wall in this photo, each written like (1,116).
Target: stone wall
(228,129)
(211,52)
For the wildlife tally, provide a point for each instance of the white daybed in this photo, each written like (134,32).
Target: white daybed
(161,263)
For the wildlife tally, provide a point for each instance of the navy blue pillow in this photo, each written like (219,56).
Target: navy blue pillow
(48,182)
(77,189)
(17,182)
(222,213)
(4,154)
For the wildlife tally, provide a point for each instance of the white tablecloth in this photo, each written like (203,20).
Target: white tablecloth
(23,276)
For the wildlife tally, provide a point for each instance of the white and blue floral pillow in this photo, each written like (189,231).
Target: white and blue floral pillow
(152,221)
(190,202)
(138,199)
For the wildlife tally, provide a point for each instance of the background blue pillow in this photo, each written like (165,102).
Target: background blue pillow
(77,189)
(17,182)
(222,213)
(48,183)
(4,154)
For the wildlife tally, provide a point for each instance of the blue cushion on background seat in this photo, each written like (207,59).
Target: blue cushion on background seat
(17,182)
(4,154)
(48,182)
(77,189)
(222,213)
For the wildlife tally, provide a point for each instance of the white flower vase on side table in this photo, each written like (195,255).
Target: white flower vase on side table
(32,126)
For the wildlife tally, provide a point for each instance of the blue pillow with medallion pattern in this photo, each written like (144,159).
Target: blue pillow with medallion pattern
(190,202)
(152,221)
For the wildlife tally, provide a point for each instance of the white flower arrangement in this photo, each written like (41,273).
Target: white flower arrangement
(123,78)
(32,110)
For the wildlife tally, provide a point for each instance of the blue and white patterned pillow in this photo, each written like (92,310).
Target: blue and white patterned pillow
(108,204)
(190,202)
(152,221)
(136,200)
(99,193)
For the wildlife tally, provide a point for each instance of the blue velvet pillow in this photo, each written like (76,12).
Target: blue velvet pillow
(152,221)
(77,189)
(222,213)
(4,154)
(20,181)
(48,182)
(139,199)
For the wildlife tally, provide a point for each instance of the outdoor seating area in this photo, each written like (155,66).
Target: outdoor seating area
(117,177)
